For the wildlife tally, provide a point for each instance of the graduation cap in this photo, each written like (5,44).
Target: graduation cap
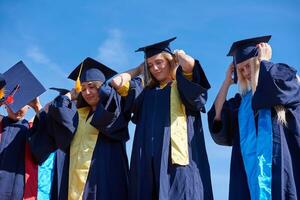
(90,70)
(157,48)
(2,84)
(21,86)
(244,49)
(62,91)
(153,49)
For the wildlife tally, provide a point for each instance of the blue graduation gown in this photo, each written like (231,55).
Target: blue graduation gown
(277,85)
(108,173)
(152,174)
(12,158)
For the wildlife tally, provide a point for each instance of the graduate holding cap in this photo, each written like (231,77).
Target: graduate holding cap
(261,123)
(18,172)
(169,159)
(91,161)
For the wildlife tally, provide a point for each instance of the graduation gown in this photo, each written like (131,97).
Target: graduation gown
(12,158)
(152,174)
(277,85)
(108,173)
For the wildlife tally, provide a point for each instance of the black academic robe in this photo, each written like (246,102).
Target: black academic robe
(12,158)
(277,85)
(108,174)
(152,174)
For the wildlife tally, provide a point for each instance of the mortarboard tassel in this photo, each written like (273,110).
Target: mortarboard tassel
(78,84)
(10,98)
(2,92)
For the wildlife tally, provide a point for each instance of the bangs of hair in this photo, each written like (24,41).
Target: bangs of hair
(96,84)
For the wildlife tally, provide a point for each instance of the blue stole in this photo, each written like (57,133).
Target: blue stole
(256,149)
(45,175)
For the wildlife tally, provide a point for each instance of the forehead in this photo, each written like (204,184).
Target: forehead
(155,57)
(244,63)
(88,83)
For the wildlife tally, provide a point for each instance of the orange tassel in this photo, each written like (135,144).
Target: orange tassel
(2,93)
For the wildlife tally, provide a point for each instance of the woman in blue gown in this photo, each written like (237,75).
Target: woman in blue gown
(261,123)
(169,159)
(18,174)
(91,161)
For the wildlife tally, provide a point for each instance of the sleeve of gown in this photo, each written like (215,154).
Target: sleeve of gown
(223,131)
(108,117)
(134,99)
(193,93)
(62,121)
(41,143)
(277,85)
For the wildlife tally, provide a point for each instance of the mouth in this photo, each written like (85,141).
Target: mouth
(89,98)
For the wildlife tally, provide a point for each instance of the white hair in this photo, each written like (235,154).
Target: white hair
(245,86)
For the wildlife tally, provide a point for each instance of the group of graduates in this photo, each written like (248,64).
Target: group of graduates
(75,147)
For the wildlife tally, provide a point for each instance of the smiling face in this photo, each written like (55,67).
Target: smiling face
(159,68)
(90,92)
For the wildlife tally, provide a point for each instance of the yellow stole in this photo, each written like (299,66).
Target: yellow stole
(81,152)
(179,137)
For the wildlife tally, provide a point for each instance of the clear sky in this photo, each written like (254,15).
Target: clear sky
(53,36)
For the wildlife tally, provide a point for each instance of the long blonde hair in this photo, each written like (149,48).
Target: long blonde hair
(245,86)
(171,61)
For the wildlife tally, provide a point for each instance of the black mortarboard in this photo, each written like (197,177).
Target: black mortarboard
(62,91)
(91,70)
(21,86)
(244,49)
(156,48)
(153,49)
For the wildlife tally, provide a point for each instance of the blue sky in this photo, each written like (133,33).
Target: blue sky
(53,36)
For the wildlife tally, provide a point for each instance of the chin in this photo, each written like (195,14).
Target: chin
(92,103)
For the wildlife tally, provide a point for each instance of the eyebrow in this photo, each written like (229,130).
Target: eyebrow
(90,83)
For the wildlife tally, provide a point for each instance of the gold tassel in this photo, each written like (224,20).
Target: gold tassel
(2,92)
(78,84)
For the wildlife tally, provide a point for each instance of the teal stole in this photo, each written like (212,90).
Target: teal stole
(256,148)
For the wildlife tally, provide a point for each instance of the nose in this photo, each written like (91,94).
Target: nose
(87,91)
(155,68)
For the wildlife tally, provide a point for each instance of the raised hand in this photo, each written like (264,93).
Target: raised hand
(229,72)
(184,60)
(35,104)
(264,51)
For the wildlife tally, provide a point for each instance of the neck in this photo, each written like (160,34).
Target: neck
(93,108)
(166,81)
